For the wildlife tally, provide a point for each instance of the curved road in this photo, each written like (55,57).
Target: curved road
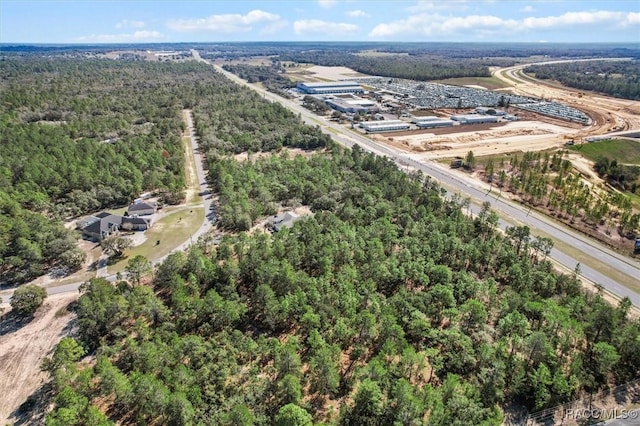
(609,114)
(596,258)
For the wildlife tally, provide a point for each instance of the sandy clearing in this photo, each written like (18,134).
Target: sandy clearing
(585,167)
(292,152)
(334,73)
(502,138)
(22,352)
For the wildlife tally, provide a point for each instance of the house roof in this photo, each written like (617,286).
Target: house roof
(283,220)
(86,221)
(135,220)
(104,224)
(142,206)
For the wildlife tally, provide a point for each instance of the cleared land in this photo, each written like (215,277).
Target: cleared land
(482,139)
(533,132)
(22,350)
(319,73)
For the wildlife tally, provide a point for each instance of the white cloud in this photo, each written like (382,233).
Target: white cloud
(429,6)
(224,24)
(632,18)
(480,26)
(317,26)
(357,13)
(136,37)
(125,23)
(527,9)
(580,18)
(327,3)
(442,25)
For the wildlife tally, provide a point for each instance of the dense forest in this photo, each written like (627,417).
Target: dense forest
(269,75)
(616,78)
(232,121)
(389,305)
(83,135)
(423,67)
(77,136)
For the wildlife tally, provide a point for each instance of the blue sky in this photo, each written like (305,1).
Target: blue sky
(90,21)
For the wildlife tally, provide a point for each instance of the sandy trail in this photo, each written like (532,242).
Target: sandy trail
(23,350)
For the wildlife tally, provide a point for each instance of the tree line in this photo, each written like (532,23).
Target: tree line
(269,75)
(229,120)
(622,176)
(419,67)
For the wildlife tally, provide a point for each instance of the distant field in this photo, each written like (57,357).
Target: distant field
(377,53)
(623,150)
(489,83)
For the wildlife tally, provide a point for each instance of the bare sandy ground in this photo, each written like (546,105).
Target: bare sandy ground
(509,137)
(23,350)
(293,152)
(333,73)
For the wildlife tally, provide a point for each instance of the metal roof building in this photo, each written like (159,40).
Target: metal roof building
(430,124)
(330,87)
(415,119)
(352,105)
(474,118)
(385,126)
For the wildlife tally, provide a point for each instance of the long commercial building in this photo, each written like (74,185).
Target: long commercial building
(432,124)
(385,126)
(474,118)
(418,119)
(353,105)
(332,87)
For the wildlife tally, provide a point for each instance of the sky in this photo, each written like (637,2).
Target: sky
(135,21)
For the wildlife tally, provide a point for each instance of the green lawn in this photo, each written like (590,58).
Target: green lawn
(172,230)
(624,150)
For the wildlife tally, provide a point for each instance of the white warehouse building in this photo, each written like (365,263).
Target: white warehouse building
(431,124)
(416,120)
(325,88)
(385,126)
(474,118)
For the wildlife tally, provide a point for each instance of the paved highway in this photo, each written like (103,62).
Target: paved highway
(595,257)
(598,257)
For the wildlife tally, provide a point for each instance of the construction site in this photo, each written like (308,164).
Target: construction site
(546,117)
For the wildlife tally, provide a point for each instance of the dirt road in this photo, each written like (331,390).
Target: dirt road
(608,114)
(22,351)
